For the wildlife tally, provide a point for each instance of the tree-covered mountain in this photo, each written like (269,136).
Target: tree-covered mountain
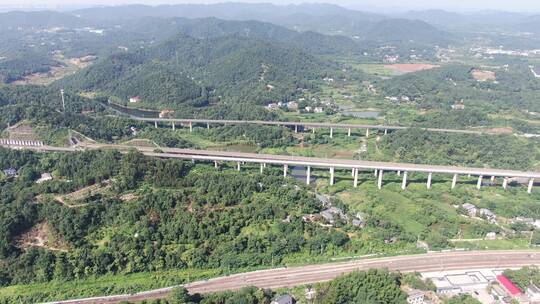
(40,19)
(186,71)
(404,30)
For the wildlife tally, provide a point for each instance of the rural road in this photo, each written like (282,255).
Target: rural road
(301,275)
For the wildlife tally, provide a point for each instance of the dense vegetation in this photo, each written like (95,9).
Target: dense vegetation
(192,218)
(442,87)
(418,146)
(524,277)
(188,72)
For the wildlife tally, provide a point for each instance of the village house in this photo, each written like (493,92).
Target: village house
(272,106)
(391,59)
(415,297)
(328,79)
(292,105)
(44,177)
(284,299)
(359,221)
(533,292)
(470,208)
(10,172)
(491,236)
(135,99)
(330,213)
(486,213)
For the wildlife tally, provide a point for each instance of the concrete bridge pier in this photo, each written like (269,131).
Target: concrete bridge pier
(479,184)
(190,127)
(376,173)
(379,182)
(531,183)
(262,168)
(367,132)
(155,124)
(285,168)
(332,176)
(385,131)
(173,126)
(454,181)
(429,180)
(308,175)
(492,178)
(349,132)
(215,164)
(404,182)
(355,173)
(238,166)
(331,132)
(295,128)
(207,126)
(398,173)
(313,130)
(505,183)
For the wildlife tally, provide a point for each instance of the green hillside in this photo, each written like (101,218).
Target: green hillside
(182,69)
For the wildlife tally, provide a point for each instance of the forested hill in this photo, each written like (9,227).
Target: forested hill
(403,30)
(313,42)
(39,19)
(184,70)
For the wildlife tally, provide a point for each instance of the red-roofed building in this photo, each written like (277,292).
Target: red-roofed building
(509,285)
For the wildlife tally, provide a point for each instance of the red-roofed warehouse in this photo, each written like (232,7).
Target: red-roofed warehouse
(509,285)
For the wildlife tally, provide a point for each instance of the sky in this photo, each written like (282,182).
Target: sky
(372,5)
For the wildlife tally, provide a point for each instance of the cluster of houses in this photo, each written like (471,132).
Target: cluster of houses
(473,211)
(488,286)
(293,106)
(527,221)
(459,105)
(391,59)
(398,98)
(332,215)
(490,52)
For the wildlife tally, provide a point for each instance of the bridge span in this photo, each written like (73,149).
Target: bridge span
(379,168)
(173,122)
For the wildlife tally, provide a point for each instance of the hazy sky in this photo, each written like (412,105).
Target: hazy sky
(454,5)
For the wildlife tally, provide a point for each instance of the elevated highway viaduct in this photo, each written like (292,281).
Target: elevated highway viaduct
(173,122)
(379,168)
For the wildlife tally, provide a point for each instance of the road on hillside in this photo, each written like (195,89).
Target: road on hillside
(301,275)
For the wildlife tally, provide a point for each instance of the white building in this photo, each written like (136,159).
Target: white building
(533,292)
(134,99)
(470,208)
(44,177)
(457,282)
(415,297)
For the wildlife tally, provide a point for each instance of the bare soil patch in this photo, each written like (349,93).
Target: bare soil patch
(500,130)
(141,143)
(411,67)
(69,66)
(22,131)
(41,235)
(71,199)
(483,75)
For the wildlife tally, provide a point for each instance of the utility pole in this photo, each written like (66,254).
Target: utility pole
(63,101)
